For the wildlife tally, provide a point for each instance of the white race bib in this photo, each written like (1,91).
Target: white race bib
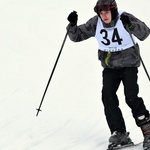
(113,39)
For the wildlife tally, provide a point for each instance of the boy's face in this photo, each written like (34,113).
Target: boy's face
(106,16)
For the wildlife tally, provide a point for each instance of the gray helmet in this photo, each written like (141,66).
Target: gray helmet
(107,5)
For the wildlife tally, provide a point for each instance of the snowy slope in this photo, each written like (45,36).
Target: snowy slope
(72,118)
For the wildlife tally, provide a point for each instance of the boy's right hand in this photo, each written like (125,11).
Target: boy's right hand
(72,18)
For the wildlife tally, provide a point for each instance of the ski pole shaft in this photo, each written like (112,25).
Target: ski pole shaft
(139,54)
(39,109)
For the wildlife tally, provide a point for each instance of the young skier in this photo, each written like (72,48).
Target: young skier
(120,59)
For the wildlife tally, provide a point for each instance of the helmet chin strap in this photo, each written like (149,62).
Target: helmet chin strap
(114,13)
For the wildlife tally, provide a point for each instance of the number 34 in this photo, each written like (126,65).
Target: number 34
(115,37)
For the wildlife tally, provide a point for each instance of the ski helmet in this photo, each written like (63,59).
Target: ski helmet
(107,5)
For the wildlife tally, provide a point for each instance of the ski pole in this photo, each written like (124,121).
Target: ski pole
(39,109)
(139,54)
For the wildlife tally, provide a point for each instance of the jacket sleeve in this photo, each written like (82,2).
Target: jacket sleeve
(139,28)
(84,31)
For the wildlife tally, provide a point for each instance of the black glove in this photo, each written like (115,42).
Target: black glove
(125,19)
(72,18)
(126,22)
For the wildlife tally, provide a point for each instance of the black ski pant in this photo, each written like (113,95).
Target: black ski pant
(111,81)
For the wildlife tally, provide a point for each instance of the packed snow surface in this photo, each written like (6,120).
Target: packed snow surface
(72,117)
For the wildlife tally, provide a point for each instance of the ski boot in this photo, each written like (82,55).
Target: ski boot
(119,139)
(146,133)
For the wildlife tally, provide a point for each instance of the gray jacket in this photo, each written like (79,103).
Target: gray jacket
(126,58)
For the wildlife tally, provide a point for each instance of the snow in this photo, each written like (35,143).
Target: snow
(72,117)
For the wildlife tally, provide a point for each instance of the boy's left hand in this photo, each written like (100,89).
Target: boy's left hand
(125,19)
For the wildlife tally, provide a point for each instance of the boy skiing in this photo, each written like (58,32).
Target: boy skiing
(120,59)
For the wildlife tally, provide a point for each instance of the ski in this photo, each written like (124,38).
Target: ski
(117,147)
(146,148)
